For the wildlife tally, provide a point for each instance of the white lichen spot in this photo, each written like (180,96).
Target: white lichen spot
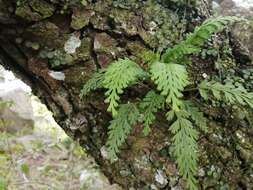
(161,178)
(240,136)
(57,75)
(201,172)
(153,187)
(104,152)
(71,44)
(85,175)
(212,169)
(97,45)
(113,53)
(152,27)
(204,75)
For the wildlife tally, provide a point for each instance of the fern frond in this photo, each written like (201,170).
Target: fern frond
(226,92)
(196,115)
(149,106)
(120,127)
(95,82)
(171,80)
(194,41)
(119,75)
(185,148)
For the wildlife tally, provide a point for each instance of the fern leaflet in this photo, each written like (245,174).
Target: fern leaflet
(96,81)
(120,127)
(194,41)
(118,76)
(149,106)
(171,80)
(196,115)
(185,147)
(227,92)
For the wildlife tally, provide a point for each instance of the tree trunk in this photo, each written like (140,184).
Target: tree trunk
(55,45)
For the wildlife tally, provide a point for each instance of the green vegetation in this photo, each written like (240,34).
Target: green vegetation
(168,72)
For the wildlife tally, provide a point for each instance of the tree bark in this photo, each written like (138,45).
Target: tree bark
(54,46)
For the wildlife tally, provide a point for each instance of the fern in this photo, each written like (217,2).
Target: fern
(168,72)
(171,79)
(196,115)
(120,127)
(226,92)
(194,41)
(149,106)
(95,82)
(185,147)
(117,77)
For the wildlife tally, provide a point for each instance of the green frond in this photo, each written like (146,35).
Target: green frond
(185,148)
(119,75)
(194,41)
(171,79)
(95,82)
(120,127)
(196,115)
(226,92)
(149,106)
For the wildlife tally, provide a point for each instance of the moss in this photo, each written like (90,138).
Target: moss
(42,7)
(46,34)
(125,21)
(34,10)
(80,18)
(164,26)
(76,76)
(137,50)
(83,52)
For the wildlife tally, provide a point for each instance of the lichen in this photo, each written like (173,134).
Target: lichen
(57,58)
(72,43)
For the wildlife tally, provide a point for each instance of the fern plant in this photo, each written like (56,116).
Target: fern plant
(168,72)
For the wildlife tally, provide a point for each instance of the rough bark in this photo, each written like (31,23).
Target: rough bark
(37,42)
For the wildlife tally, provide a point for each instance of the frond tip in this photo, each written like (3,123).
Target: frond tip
(192,44)
(185,148)
(120,127)
(119,75)
(226,92)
